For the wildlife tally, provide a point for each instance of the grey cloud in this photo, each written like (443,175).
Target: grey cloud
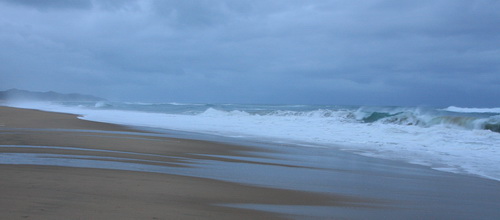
(353,52)
(186,14)
(53,4)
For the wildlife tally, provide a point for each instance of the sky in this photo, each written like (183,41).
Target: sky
(340,52)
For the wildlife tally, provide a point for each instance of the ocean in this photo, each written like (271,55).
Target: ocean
(450,139)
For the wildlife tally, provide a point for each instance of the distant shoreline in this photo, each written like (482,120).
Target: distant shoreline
(25,95)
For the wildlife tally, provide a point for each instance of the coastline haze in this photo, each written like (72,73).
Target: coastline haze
(283,52)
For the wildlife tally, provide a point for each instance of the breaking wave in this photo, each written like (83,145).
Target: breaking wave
(406,117)
(491,123)
(472,110)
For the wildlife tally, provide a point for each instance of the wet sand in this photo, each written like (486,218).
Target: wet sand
(62,192)
(55,166)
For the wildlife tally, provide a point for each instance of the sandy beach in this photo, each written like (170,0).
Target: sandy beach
(58,192)
(56,166)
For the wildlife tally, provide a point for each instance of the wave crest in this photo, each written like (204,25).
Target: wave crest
(428,120)
(472,110)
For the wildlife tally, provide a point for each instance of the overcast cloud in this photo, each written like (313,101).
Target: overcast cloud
(376,52)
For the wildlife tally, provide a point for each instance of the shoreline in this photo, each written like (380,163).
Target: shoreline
(281,183)
(25,186)
(442,146)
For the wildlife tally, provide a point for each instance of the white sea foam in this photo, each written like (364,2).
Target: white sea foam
(442,146)
(472,110)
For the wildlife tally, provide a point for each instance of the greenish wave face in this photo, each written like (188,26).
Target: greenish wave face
(375,116)
(492,127)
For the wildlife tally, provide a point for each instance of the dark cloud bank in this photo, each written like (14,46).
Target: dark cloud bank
(324,52)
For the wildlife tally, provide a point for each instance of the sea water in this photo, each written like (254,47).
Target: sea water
(452,139)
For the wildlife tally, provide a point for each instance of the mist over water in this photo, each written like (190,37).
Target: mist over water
(453,139)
